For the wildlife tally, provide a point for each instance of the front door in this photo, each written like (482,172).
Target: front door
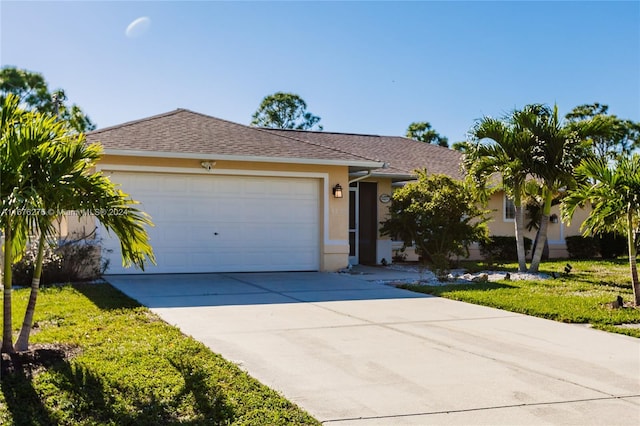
(367,222)
(353,224)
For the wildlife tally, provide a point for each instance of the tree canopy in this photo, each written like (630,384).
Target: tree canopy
(439,215)
(47,168)
(285,111)
(613,190)
(33,93)
(499,147)
(531,142)
(423,132)
(613,137)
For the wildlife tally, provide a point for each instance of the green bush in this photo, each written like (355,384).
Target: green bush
(438,216)
(502,248)
(580,247)
(69,261)
(609,246)
(612,245)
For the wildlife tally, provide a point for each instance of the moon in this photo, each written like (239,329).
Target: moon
(138,27)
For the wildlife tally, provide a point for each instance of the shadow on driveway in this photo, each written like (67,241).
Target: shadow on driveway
(227,289)
(355,352)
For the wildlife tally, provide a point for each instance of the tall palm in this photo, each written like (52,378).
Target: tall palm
(60,176)
(46,169)
(505,155)
(614,194)
(557,150)
(15,146)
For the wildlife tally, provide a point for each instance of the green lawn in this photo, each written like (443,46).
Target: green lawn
(130,368)
(578,297)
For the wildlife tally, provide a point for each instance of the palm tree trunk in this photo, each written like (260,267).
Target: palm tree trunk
(519,225)
(7,330)
(22,344)
(542,236)
(632,258)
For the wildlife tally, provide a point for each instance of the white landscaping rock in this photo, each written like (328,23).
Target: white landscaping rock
(460,277)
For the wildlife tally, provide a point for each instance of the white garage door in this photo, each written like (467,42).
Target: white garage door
(219,223)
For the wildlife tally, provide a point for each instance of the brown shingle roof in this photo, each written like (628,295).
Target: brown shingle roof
(402,155)
(184,131)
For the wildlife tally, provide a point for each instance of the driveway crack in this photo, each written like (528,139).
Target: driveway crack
(495,407)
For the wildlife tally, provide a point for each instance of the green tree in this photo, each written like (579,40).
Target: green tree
(614,136)
(46,170)
(501,149)
(285,111)
(613,191)
(13,149)
(461,146)
(438,215)
(558,150)
(423,132)
(33,92)
(533,205)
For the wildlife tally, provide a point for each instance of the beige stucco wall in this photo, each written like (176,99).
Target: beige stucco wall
(498,226)
(556,233)
(334,250)
(77,226)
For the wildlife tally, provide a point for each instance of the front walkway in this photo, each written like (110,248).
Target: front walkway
(355,352)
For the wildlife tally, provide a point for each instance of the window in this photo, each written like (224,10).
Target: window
(509,213)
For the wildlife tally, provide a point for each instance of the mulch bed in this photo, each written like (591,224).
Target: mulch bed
(37,358)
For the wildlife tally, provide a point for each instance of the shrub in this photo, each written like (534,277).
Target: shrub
(69,261)
(612,245)
(399,255)
(439,216)
(580,247)
(502,248)
(609,246)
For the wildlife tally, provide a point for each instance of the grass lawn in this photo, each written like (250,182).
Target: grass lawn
(128,368)
(578,297)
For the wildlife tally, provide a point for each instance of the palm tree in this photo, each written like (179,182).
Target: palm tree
(52,176)
(15,144)
(63,182)
(506,155)
(558,149)
(614,195)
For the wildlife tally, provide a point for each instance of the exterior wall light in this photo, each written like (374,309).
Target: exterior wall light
(207,165)
(337,191)
(553,218)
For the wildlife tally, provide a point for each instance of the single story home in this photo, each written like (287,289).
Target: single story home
(226,197)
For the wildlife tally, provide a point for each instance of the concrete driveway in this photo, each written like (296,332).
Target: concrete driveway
(351,351)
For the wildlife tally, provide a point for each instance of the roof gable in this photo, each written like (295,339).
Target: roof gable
(183,132)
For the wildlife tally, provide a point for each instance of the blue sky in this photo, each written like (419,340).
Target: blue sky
(364,67)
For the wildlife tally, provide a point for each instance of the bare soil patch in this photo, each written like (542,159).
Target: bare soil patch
(37,358)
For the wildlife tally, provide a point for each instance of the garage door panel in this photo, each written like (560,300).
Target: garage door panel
(200,237)
(287,260)
(262,223)
(226,187)
(282,189)
(257,187)
(172,257)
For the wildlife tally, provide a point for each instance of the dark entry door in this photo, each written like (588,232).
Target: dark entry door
(368,222)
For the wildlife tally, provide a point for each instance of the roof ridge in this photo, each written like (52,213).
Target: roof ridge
(322,132)
(271,131)
(140,120)
(329,133)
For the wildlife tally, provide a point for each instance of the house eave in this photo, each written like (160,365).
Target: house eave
(395,176)
(258,159)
